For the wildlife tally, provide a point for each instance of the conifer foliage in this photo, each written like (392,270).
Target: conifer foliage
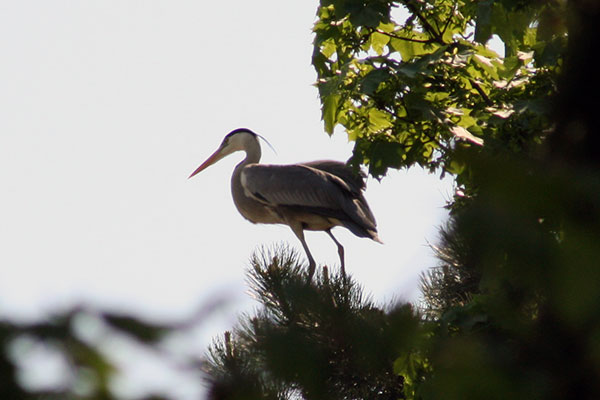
(318,340)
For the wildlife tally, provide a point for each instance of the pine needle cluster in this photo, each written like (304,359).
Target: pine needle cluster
(319,340)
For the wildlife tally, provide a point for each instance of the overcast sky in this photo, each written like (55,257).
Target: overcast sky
(107,106)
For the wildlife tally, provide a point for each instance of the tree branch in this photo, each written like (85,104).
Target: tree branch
(405,38)
(436,36)
(447,23)
(485,97)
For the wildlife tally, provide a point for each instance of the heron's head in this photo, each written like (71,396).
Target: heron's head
(236,140)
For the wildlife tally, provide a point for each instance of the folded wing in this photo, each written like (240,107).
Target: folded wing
(327,188)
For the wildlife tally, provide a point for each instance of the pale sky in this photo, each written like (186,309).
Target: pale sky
(106,107)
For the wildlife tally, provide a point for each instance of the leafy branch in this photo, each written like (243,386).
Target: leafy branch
(408,39)
(436,36)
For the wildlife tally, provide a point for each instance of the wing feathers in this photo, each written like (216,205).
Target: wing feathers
(293,185)
(306,186)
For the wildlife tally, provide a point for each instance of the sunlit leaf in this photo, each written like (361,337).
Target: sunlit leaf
(328,48)
(378,120)
(462,133)
(330,111)
(379,41)
(487,65)
(501,113)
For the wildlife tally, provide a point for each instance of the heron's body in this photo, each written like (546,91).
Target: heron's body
(313,196)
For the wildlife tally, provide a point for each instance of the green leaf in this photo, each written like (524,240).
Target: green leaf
(501,113)
(378,120)
(329,111)
(328,47)
(487,65)
(369,14)
(353,134)
(378,42)
(373,79)
(455,167)
(509,67)
(530,38)
(409,49)
(387,27)
(462,133)
(466,121)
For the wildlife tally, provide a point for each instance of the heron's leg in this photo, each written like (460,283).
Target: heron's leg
(340,251)
(299,231)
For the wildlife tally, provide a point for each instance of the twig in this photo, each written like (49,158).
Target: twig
(447,23)
(436,37)
(405,38)
(485,97)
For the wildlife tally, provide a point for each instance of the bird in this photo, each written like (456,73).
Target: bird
(313,196)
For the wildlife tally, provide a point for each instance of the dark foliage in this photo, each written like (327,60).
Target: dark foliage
(76,337)
(455,280)
(322,340)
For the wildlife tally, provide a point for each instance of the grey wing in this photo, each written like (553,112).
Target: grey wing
(313,189)
(291,185)
(353,178)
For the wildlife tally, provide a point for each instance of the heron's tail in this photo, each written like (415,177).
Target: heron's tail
(375,236)
(361,231)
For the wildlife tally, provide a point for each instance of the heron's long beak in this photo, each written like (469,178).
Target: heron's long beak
(216,156)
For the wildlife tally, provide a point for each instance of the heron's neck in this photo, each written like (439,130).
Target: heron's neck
(245,205)
(253,154)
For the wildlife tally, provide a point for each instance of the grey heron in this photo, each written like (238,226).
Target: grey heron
(314,196)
